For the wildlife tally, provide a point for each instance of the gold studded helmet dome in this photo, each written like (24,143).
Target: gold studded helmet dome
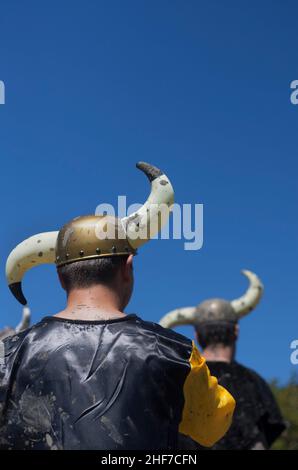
(217,310)
(94,236)
(83,238)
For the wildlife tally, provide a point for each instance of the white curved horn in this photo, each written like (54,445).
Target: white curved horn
(145,223)
(36,250)
(25,322)
(252,296)
(179,317)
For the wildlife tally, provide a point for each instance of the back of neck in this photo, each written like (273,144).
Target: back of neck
(219,352)
(93,303)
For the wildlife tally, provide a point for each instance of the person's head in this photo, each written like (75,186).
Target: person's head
(216,328)
(96,236)
(217,334)
(216,320)
(114,272)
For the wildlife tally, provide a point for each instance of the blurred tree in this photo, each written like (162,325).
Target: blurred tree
(287,398)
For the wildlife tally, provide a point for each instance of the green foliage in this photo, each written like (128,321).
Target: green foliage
(287,398)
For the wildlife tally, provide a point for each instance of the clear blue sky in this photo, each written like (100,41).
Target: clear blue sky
(201,89)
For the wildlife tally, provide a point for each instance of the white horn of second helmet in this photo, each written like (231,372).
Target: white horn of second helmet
(179,317)
(145,223)
(252,296)
(36,250)
(25,322)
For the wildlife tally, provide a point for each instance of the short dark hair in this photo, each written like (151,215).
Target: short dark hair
(210,334)
(87,273)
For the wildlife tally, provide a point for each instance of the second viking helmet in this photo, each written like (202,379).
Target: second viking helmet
(93,236)
(217,310)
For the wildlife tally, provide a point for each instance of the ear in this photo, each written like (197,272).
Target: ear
(61,280)
(128,268)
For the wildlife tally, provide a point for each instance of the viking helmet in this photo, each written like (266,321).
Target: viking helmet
(217,310)
(94,236)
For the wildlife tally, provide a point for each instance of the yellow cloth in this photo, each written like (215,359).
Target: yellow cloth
(208,407)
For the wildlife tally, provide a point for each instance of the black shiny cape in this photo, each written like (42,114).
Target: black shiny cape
(67,384)
(257,417)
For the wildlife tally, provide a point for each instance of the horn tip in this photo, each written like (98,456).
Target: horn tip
(249,274)
(245,272)
(253,278)
(152,172)
(17,292)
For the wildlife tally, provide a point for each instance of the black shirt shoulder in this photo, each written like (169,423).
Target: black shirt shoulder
(257,415)
(164,332)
